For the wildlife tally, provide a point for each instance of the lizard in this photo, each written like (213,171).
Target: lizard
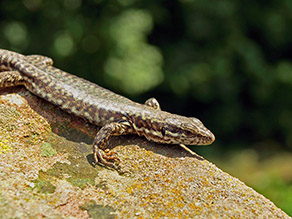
(115,114)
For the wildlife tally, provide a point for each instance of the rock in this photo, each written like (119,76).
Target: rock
(47,171)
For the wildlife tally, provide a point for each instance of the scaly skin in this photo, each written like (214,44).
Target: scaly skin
(116,115)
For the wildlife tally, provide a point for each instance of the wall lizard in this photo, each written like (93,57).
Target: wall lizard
(116,114)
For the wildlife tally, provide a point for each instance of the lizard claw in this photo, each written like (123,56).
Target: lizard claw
(109,154)
(104,157)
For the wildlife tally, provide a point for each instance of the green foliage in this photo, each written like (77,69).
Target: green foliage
(133,63)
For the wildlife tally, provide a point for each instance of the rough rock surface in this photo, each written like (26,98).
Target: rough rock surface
(46,171)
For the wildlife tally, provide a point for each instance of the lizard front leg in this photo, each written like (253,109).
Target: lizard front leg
(100,142)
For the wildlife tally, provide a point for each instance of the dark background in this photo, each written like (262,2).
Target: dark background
(226,62)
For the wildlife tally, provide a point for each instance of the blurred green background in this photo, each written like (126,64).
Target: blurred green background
(227,62)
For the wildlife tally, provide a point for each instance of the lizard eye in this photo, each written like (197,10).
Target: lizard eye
(163,131)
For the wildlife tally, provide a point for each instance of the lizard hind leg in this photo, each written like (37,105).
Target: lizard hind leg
(102,155)
(10,79)
(152,102)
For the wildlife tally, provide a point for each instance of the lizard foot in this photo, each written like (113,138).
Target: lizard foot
(106,157)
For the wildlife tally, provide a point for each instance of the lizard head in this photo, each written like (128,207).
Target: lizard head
(174,129)
(189,131)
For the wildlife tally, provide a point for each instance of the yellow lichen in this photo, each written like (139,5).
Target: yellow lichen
(4,147)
